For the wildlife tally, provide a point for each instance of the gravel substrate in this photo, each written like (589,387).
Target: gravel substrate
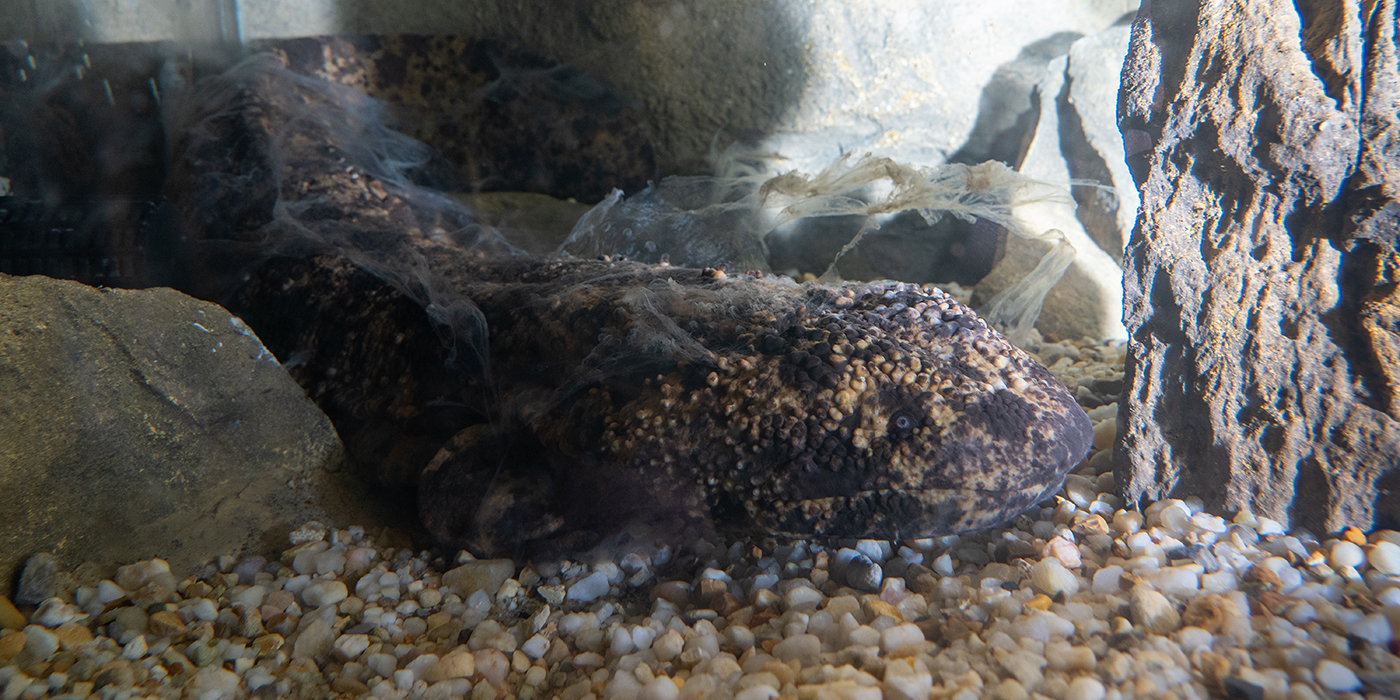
(1077,600)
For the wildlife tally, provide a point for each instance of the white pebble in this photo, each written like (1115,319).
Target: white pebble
(108,592)
(1385,558)
(1346,554)
(906,681)
(420,666)
(1374,628)
(1108,579)
(457,664)
(1177,580)
(659,688)
(383,665)
(330,562)
(589,659)
(350,646)
(135,649)
(1220,582)
(1193,638)
(204,609)
(1085,688)
(214,682)
(1127,522)
(1152,610)
(901,638)
(806,648)
(323,593)
(759,692)
(620,644)
(492,665)
(247,596)
(1336,677)
(54,612)
(1269,526)
(536,646)
(1389,597)
(876,550)
(429,597)
(1080,490)
(943,565)
(1063,550)
(1052,578)
(802,595)
(589,588)
(312,531)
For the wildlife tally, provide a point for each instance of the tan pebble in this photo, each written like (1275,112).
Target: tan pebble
(10,616)
(268,644)
(1105,432)
(348,686)
(1040,602)
(1102,463)
(1153,610)
(456,664)
(677,592)
(116,673)
(11,645)
(482,575)
(1091,524)
(166,624)
(73,635)
(1354,535)
(1011,689)
(874,608)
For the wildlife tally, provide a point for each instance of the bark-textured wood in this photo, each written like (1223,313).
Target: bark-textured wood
(1260,283)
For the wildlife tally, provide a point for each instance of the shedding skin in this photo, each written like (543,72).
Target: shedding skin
(627,391)
(544,405)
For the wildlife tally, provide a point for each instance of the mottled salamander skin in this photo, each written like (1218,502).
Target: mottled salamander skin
(880,410)
(537,404)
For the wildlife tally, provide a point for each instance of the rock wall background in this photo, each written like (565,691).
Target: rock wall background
(1260,283)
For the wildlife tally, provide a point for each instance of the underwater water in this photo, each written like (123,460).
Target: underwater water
(144,165)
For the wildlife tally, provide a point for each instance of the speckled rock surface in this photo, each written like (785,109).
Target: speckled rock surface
(145,423)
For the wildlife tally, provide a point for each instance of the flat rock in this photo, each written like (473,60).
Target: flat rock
(147,423)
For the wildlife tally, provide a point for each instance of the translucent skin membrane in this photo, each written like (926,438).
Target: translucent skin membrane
(547,404)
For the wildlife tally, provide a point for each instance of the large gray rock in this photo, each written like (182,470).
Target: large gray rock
(137,424)
(1087,300)
(1260,290)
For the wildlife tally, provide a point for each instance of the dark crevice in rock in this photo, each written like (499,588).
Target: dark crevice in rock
(1311,495)
(1324,36)
(1387,503)
(1173,25)
(1355,281)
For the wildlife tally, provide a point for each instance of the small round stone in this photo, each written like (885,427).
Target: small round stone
(1336,677)
(1051,577)
(322,593)
(1346,554)
(589,588)
(1085,688)
(1385,558)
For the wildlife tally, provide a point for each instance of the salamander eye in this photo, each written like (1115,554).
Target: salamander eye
(903,421)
